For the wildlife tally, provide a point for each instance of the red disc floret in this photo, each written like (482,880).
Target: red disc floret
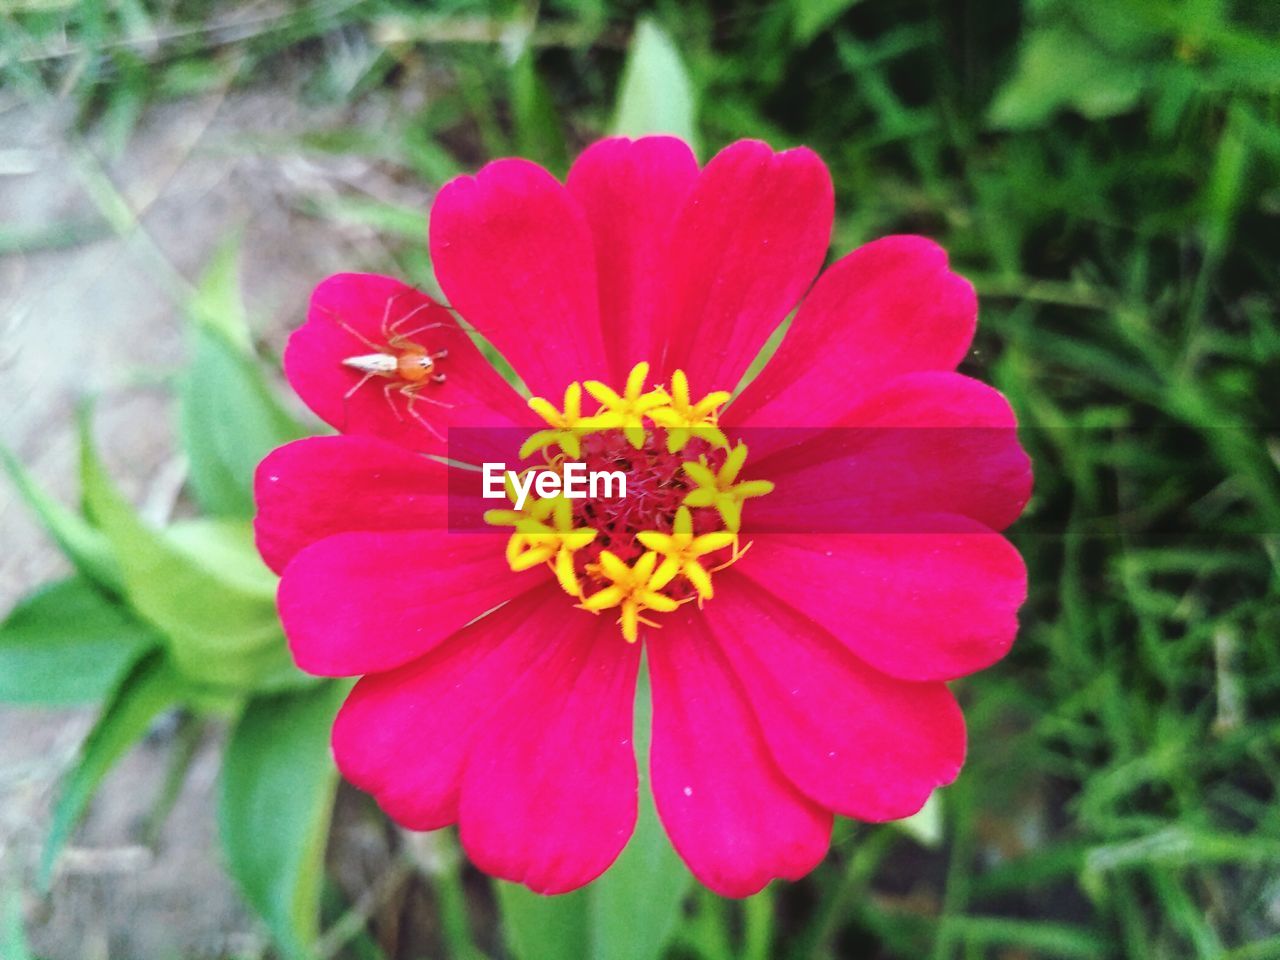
(656,487)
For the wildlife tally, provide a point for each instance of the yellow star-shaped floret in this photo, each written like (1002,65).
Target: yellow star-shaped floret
(628,410)
(565,427)
(684,419)
(544,533)
(633,589)
(681,552)
(527,547)
(721,489)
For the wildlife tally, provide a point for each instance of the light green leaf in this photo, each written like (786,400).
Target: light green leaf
(539,133)
(13,938)
(810,17)
(1034,937)
(86,548)
(201,584)
(216,303)
(926,825)
(656,95)
(68,643)
(229,419)
(151,688)
(636,904)
(1059,68)
(394,219)
(278,783)
(545,928)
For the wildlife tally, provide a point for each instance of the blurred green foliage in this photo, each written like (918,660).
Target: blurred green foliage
(182,618)
(1109,177)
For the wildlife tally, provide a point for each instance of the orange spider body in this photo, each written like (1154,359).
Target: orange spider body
(412,363)
(415,364)
(408,367)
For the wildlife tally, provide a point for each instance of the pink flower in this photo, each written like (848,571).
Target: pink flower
(801,608)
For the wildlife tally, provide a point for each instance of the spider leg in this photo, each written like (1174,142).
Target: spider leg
(346,398)
(386,315)
(398,337)
(411,392)
(386,392)
(351,330)
(363,380)
(425,399)
(391,330)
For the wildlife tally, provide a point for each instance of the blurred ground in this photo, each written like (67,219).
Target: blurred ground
(101,317)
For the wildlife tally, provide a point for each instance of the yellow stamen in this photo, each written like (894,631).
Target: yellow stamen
(681,551)
(684,420)
(721,489)
(568,540)
(631,589)
(544,533)
(566,427)
(627,411)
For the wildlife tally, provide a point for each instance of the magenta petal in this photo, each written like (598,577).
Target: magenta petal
(472,395)
(514,254)
(304,493)
(750,239)
(926,443)
(404,735)
(890,307)
(918,606)
(549,790)
(851,738)
(731,814)
(631,192)
(364,602)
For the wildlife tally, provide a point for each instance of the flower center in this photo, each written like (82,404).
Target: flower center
(658,545)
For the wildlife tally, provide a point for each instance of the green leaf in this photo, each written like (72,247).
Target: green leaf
(810,17)
(1059,68)
(68,643)
(636,904)
(656,95)
(150,688)
(627,914)
(545,928)
(30,238)
(13,938)
(1032,936)
(200,583)
(926,825)
(394,219)
(539,133)
(278,783)
(87,549)
(229,419)
(216,303)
